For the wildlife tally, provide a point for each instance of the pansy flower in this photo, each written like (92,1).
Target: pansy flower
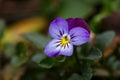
(66,34)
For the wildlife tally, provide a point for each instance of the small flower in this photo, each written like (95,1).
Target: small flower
(65,34)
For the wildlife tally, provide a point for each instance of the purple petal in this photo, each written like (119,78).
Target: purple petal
(52,49)
(58,27)
(67,50)
(79,36)
(75,22)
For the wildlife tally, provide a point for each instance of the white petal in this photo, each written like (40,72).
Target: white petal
(67,50)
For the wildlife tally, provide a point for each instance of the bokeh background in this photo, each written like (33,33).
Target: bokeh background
(24,32)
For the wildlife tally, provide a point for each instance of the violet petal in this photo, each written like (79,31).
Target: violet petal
(52,49)
(79,36)
(75,22)
(58,27)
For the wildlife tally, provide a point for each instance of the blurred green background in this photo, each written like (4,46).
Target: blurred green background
(24,33)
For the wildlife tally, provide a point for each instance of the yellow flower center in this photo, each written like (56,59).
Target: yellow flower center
(65,40)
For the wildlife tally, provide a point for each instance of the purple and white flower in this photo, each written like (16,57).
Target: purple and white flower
(66,34)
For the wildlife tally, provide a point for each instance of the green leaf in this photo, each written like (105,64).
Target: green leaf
(111,60)
(43,61)
(105,39)
(37,58)
(116,65)
(113,63)
(61,58)
(9,50)
(86,72)
(47,62)
(76,8)
(83,50)
(21,49)
(75,76)
(116,4)
(40,75)
(87,52)
(37,40)
(17,61)
(2,27)
(94,54)
(95,23)
(108,6)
